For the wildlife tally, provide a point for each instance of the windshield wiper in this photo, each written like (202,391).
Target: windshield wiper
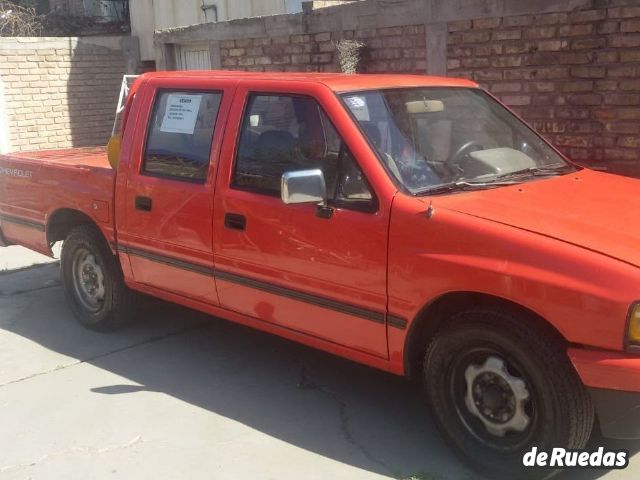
(538,171)
(496,181)
(460,186)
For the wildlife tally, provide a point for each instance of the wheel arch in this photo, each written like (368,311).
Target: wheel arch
(437,312)
(62,221)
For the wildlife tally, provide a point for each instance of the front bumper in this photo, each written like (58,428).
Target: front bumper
(613,381)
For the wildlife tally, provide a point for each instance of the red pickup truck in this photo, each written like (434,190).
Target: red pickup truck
(413,224)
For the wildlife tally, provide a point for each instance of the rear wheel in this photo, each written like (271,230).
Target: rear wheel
(93,281)
(497,388)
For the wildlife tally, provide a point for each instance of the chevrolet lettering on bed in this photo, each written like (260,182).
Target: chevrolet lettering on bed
(14,172)
(409,223)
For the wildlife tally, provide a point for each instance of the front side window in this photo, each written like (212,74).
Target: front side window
(180,134)
(433,137)
(285,133)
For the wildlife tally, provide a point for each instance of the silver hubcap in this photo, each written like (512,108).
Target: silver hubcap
(496,397)
(88,280)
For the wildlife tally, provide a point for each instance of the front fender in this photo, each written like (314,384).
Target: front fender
(583,294)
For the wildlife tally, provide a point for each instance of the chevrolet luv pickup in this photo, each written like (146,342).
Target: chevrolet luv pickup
(410,223)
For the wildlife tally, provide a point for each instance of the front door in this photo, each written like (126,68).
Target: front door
(321,272)
(167,231)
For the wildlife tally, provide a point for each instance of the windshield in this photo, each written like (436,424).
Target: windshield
(431,137)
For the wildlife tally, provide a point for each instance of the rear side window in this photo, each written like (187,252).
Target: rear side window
(180,134)
(284,133)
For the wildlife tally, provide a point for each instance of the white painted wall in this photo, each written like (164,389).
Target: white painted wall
(177,13)
(143,26)
(150,15)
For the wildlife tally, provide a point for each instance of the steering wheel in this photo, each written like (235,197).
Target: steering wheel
(463,151)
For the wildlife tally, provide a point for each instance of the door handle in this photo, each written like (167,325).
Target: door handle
(144,204)
(235,221)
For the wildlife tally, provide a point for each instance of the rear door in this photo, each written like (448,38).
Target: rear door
(294,265)
(166,230)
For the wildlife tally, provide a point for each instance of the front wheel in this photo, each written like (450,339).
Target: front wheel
(498,387)
(93,281)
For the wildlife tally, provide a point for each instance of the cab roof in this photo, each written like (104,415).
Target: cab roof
(338,82)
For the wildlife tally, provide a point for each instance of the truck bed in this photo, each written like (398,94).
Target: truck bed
(93,157)
(34,186)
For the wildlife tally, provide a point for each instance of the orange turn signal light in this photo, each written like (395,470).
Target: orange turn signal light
(633,328)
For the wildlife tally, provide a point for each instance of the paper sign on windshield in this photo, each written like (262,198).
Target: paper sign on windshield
(181,113)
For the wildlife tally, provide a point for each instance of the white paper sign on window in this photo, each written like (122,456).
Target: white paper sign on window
(181,113)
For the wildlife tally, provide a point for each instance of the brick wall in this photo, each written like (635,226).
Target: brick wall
(572,69)
(392,49)
(574,75)
(59,92)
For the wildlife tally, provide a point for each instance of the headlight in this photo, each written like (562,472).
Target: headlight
(633,325)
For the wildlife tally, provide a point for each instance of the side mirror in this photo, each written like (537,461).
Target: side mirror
(303,186)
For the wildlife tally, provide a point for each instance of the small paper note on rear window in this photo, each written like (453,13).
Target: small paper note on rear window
(181,113)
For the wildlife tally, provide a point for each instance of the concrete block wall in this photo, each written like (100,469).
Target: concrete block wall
(570,68)
(60,92)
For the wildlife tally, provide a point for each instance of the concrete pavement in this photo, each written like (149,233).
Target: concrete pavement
(182,395)
(16,257)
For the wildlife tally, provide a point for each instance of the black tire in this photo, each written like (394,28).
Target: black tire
(554,410)
(114,303)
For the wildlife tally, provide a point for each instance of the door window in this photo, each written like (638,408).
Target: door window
(284,133)
(180,135)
